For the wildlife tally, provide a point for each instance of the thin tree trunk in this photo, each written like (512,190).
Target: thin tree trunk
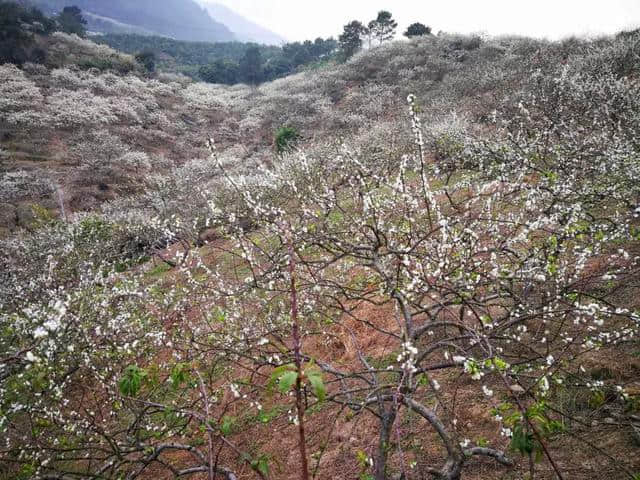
(297,345)
(384,439)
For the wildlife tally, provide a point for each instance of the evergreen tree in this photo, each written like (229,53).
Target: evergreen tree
(369,32)
(220,71)
(13,39)
(417,30)
(321,47)
(350,40)
(383,28)
(251,70)
(277,67)
(71,21)
(17,28)
(147,59)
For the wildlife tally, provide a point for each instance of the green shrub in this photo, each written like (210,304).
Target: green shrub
(286,139)
(118,65)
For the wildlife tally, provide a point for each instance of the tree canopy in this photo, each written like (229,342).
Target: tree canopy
(72,21)
(220,71)
(17,28)
(250,66)
(147,58)
(417,30)
(351,38)
(219,62)
(383,28)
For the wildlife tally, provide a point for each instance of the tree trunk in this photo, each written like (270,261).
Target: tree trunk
(386,425)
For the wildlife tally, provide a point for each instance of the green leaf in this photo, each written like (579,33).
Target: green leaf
(500,364)
(317,385)
(482,442)
(277,373)
(286,381)
(221,316)
(178,375)
(362,457)
(227,425)
(524,442)
(261,464)
(131,380)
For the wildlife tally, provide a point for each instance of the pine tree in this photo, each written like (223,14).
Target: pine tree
(220,71)
(383,28)
(147,58)
(71,21)
(417,30)
(251,66)
(350,40)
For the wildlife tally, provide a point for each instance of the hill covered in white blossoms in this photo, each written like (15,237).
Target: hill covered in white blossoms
(436,278)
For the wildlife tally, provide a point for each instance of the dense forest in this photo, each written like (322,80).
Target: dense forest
(222,62)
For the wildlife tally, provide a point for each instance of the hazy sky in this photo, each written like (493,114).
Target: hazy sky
(305,19)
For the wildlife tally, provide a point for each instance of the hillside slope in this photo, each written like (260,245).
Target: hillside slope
(438,277)
(180,19)
(187,57)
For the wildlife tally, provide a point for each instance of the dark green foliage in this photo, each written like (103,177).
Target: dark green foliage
(323,48)
(38,55)
(179,375)
(524,442)
(220,62)
(36,21)
(261,465)
(277,67)
(71,21)
(351,38)
(104,64)
(317,384)
(14,40)
(182,53)
(383,28)
(287,380)
(147,59)
(295,55)
(18,27)
(131,381)
(417,30)
(298,53)
(250,66)
(286,139)
(195,59)
(221,71)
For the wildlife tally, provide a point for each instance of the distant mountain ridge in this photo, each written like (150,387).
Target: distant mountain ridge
(179,19)
(245,30)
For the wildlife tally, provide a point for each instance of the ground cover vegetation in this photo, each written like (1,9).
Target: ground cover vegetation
(420,263)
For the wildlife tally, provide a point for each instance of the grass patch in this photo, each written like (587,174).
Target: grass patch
(158,270)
